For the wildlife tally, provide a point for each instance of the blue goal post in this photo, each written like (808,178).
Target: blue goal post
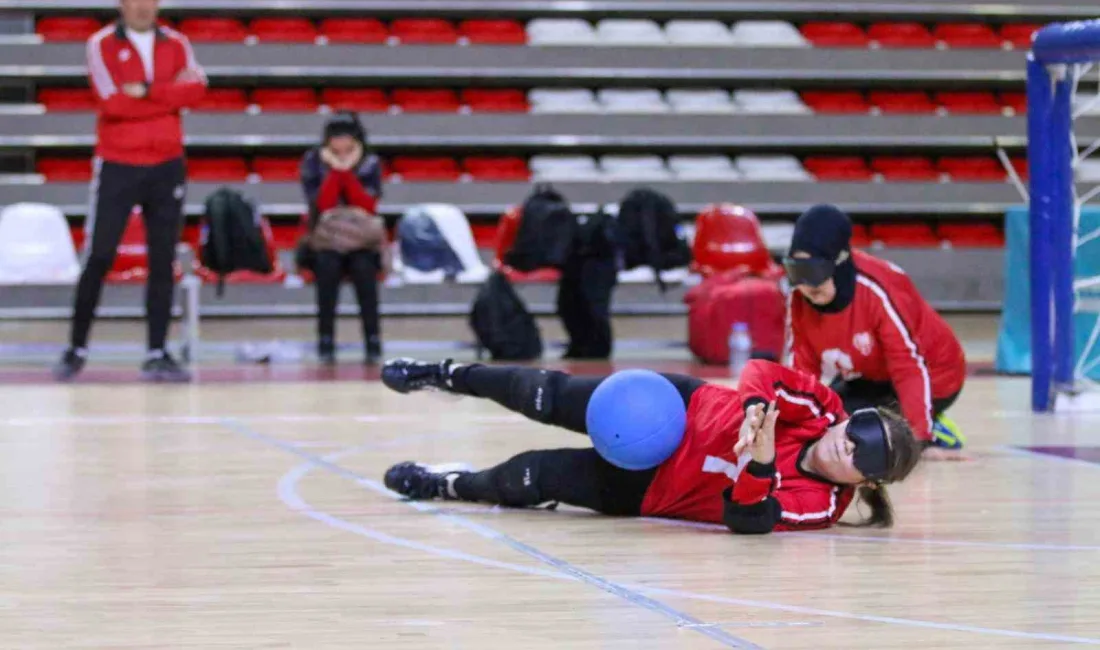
(1060,55)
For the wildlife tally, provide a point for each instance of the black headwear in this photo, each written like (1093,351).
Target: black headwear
(344,123)
(872,454)
(825,232)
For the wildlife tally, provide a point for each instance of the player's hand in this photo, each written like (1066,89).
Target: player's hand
(331,159)
(763,448)
(754,418)
(188,75)
(354,157)
(951,455)
(137,91)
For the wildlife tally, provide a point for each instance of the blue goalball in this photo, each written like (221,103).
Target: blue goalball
(636,419)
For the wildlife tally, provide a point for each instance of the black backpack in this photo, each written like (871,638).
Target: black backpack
(502,323)
(647,233)
(232,236)
(546,232)
(423,246)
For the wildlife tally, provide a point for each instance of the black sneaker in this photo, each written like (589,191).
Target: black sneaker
(424,482)
(409,375)
(160,366)
(72,362)
(373,351)
(326,351)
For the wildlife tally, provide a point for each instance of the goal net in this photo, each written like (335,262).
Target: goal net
(1064,176)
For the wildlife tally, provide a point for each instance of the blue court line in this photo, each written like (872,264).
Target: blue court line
(629,595)
(289,495)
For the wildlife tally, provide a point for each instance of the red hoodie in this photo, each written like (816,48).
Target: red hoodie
(146,131)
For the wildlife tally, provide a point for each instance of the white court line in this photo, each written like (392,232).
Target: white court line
(629,595)
(218,420)
(288,494)
(1036,455)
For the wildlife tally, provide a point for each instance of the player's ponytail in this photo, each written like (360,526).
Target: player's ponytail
(905,452)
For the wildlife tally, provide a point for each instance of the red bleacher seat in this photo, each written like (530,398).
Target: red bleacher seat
(67,99)
(227,100)
(291,100)
(483,168)
(428,169)
(283,30)
(362,100)
(860,237)
(132,257)
(485,234)
(966,35)
(969,102)
(213,30)
(973,169)
(221,169)
(838,168)
(829,101)
(354,30)
(909,101)
(1017,101)
(286,234)
(905,168)
(493,32)
(276,169)
(971,235)
(67,28)
(507,229)
(1018,35)
(901,35)
(1020,165)
(424,31)
(65,170)
(495,100)
(826,34)
(906,235)
(426,100)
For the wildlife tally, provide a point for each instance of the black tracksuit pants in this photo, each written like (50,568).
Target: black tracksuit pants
(579,477)
(115,190)
(584,306)
(361,269)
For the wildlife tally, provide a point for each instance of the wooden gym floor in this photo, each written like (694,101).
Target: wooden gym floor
(250,515)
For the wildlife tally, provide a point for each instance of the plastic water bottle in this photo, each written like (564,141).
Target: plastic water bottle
(740,348)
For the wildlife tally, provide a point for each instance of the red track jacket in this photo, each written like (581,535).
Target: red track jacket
(704,481)
(146,131)
(888,334)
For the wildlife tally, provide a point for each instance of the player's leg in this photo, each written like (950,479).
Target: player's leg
(579,477)
(547,396)
(363,271)
(113,194)
(328,272)
(162,208)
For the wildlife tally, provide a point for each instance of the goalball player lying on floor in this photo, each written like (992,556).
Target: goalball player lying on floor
(777,453)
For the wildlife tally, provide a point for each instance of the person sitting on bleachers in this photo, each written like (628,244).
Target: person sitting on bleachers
(342,182)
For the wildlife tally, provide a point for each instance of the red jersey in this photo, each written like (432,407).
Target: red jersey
(146,131)
(888,334)
(691,483)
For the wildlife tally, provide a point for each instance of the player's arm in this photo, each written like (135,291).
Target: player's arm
(908,370)
(757,504)
(188,87)
(364,186)
(113,103)
(799,396)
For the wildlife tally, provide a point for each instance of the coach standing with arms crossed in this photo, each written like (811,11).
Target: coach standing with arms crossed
(142,75)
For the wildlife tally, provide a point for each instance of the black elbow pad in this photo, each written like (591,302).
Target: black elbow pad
(756,519)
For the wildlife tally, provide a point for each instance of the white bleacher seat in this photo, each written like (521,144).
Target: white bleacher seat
(36,246)
(777,237)
(772,168)
(699,100)
(455,227)
(1089,103)
(697,33)
(632,100)
(767,33)
(703,168)
(1088,171)
(629,31)
(564,168)
(634,168)
(563,100)
(560,31)
(645,275)
(770,102)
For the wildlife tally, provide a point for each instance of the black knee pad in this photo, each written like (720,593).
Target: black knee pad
(517,481)
(535,394)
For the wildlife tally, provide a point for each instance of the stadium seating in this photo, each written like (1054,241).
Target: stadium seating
(913,101)
(700,100)
(973,35)
(829,101)
(285,100)
(426,100)
(1088,171)
(359,31)
(772,168)
(838,168)
(361,100)
(620,32)
(834,34)
(767,33)
(971,235)
(67,28)
(564,168)
(67,99)
(283,30)
(494,100)
(35,246)
(563,100)
(973,169)
(423,31)
(223,100)
(703,168)
(905,168)
(560,31)
(65,170)
(695,33)
(492,32)
(276,169)
(219,170)
(634,168)
(900,35)
(507,228)
(1018,35)
(484,168)
(213,30)
(634,100)
(969,102)
(425,169)
(904,234)
(769,102)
